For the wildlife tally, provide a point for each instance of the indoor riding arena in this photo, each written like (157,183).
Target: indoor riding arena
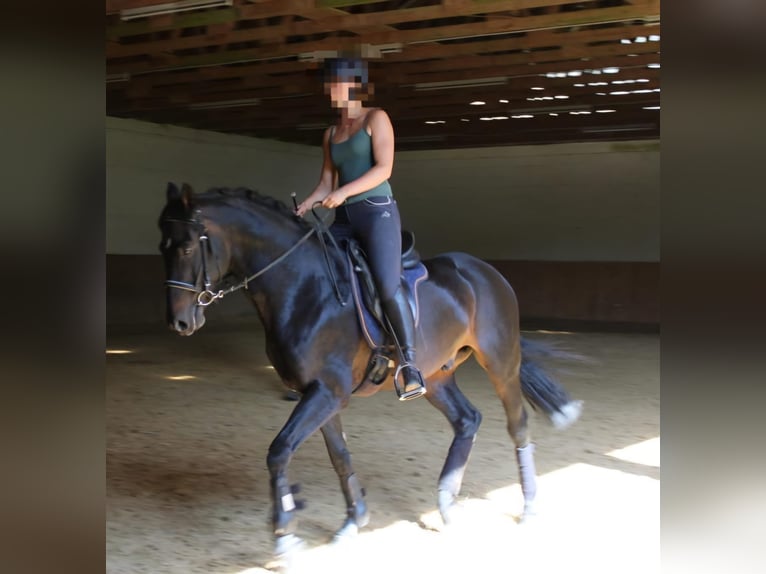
(527,134)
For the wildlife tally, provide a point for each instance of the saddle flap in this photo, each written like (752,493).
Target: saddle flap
(366,282)
(365,292)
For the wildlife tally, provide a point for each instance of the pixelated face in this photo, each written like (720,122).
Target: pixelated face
(341,92)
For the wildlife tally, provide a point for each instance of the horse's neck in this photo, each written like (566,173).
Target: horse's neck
(261,239)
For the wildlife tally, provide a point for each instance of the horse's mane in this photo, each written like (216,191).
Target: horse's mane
(253,196)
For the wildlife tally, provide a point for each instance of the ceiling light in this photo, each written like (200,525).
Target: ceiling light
(653,66)
(575,73)
(579,85)
(561,97)
(605,111)
(503,101)
(537,88)
(642,80)
(114,78)
(495,81)
(633,128)
(552,114)
(477,103)
(640,39)
(464,120)
(225,104)
(485,118)
(625,41)
(619,93)
(435,122)
(598,83)
(523,117)
(171,8)
(651,107)
(611,70)
(654,38)
(317,55)
(540,110)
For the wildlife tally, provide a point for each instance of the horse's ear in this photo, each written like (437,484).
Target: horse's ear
(186,195)
(173,193)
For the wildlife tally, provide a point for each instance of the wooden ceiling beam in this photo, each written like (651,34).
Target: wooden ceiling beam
(332,18)
(513,65)
(445,53)
(593,16)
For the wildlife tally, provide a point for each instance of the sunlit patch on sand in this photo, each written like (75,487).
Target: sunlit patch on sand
(646,452)
(180,377)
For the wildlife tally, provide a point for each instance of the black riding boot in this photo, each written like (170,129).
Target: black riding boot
(399,314)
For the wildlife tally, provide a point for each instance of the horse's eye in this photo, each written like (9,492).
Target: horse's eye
(165,244)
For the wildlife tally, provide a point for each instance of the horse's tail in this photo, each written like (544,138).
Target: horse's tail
(541,390)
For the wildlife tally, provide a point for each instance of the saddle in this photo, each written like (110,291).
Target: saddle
(370,310)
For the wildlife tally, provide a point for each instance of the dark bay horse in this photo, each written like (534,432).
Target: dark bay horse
(317,347)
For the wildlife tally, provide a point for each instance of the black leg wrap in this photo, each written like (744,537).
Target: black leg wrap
(284,508)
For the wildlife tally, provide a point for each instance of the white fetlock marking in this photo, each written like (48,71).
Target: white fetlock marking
(288,502)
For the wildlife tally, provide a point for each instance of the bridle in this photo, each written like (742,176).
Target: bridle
(207,295)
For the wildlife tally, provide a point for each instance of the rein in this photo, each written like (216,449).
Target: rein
(207,296)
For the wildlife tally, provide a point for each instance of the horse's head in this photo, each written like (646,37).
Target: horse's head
(193,260)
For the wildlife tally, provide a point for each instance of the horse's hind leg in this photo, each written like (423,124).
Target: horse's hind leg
(356,508)
(444,394)
(503,371)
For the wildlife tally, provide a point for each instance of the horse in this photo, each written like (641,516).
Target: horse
(315,343)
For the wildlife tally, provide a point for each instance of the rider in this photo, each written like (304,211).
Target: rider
(359,156)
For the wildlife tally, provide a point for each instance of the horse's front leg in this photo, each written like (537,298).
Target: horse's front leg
(357,515)
(317,405)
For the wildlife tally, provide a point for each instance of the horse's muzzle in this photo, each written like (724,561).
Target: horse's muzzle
(188,327)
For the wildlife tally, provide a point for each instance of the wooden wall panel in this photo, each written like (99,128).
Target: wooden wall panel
(610,293)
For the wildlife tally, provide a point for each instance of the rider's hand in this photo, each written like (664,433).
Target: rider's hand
(303,207)
(334,199)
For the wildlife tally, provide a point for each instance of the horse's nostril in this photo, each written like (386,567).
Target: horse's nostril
(181,326)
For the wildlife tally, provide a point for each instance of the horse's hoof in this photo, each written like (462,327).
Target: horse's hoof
(348,531)
(567,416)
(287,547)
(529,516)
(447,504)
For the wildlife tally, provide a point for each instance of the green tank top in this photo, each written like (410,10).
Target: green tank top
(353,158)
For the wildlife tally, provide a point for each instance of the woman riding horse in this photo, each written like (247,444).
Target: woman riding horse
(359,155)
